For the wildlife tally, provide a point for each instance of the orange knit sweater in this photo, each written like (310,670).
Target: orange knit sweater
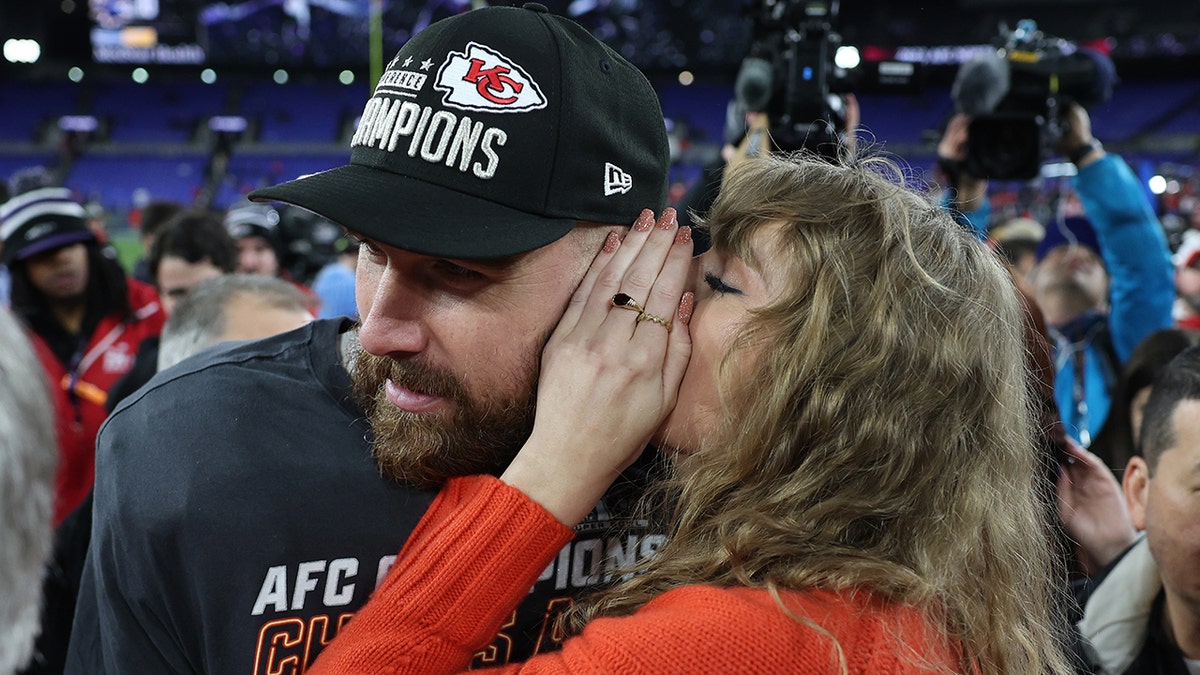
(481,546)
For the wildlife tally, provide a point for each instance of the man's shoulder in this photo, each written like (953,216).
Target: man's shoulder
(243,365)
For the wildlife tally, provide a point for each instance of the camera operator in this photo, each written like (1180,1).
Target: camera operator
(789,95)
(1103,283)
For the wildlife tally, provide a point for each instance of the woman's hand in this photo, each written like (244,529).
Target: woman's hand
(611,370)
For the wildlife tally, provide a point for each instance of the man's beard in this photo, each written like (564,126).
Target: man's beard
(423,450)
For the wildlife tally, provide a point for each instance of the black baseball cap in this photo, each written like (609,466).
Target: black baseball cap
(492,133)
(41,220)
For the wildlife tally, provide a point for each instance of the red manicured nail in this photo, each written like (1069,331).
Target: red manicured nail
(686,304)
(668,219)
(612,242)
(644,221)
(683,235)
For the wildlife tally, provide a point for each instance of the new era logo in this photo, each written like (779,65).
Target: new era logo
(484,80)
(615,180)
(39,231)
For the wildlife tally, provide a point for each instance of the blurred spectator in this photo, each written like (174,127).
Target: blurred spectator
(1117,440)
(150,219)
(27,459)
(96,219)
(86,319)
(231,308)
(1017,241)
(1102,285)
(1141,615)
(1187,281)
(255,228)
(334,284)
(191,247)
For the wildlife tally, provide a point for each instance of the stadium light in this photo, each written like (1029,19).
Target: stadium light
(1158,184)
(140,75)
(346,77)
(686,77)
(208,76)
(281,76)
(846,57)
(22,51)
(75,74)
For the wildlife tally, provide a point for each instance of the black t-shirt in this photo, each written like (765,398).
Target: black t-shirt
(240,521)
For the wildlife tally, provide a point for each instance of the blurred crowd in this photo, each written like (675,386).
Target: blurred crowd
(1110,278)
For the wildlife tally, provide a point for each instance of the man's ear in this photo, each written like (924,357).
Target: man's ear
(1136,485)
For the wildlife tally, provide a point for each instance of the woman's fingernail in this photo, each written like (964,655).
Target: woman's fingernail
(611,242)
(668,219)
(683,235)
(644,221)
(686,304)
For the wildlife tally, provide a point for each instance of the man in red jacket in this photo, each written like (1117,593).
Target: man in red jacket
(85,319)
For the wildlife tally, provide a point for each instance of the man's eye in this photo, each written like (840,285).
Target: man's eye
(368,246)
(457,271)
(714,282)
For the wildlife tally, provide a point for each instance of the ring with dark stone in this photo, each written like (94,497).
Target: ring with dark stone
(625,302)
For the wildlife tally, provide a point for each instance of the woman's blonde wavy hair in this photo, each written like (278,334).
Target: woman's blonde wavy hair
(884,438)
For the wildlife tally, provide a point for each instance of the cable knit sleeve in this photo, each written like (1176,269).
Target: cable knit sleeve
(475,554)
(481,546)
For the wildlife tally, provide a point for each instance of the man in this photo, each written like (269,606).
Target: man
(228,307)
(191,247)
(1144,614)
(242,535)
(26,493)
(187,249)
(255,229)
(85,317)
(231,308)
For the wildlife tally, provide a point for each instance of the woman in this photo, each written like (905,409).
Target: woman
(856,471)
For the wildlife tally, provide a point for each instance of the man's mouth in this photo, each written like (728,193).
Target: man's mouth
(411,401)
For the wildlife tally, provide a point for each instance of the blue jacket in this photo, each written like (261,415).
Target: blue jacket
(1141,292)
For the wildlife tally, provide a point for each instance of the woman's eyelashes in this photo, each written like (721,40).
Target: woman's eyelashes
(714,282)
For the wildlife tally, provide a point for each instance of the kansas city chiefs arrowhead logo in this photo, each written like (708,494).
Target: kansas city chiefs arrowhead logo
(482,79)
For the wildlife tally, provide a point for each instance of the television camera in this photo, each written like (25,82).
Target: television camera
(789,74)
(1017,97)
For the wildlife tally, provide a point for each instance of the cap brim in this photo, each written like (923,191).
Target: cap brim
(51,242)
(416,216)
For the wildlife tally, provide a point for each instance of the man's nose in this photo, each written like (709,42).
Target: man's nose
(396,323)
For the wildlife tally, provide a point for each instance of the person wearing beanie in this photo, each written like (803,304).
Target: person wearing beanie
(249,500)
(85,319)
(255,228)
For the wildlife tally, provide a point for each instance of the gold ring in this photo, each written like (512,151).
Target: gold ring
(625,302)
(656,319)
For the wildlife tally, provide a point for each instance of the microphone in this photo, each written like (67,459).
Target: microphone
(980,84)
(755,84)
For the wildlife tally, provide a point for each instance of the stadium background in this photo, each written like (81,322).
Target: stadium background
(199,101)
